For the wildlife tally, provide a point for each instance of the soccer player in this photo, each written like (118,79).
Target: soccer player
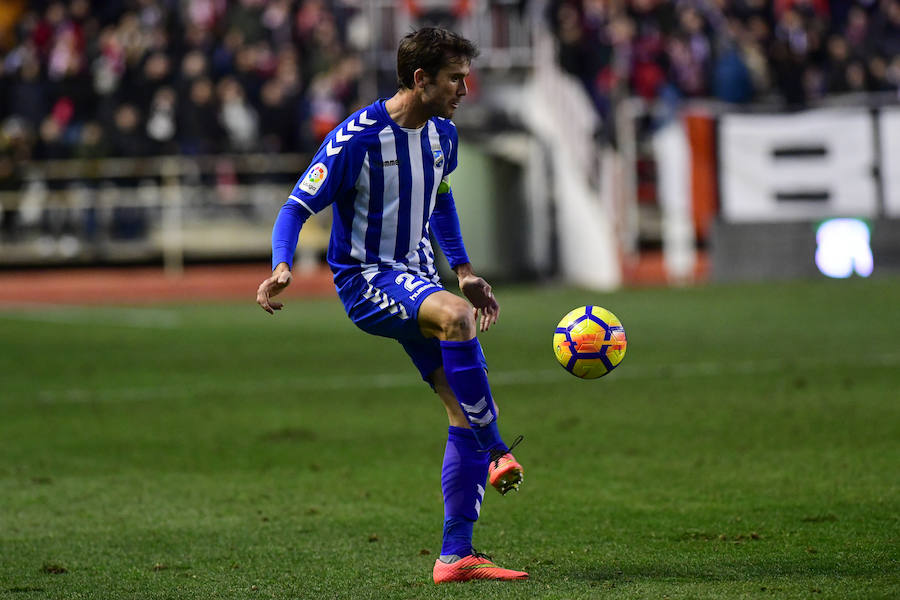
(385,170)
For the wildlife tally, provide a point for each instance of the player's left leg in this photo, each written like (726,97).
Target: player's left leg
(463,478)
(464,475)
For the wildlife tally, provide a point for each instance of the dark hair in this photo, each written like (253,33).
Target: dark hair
(430,49)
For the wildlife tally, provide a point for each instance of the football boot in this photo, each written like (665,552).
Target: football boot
(472,567)
(504,472)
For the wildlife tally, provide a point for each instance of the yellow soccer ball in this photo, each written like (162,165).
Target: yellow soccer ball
(589,342)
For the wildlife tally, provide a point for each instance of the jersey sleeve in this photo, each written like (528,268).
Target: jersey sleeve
(444,219)
(320,185)
(452,155)
(445,225)
(323,180)
(290,219)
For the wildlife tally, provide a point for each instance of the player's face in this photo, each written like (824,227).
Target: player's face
(443,93)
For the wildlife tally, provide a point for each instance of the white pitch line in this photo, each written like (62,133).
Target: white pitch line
(498,379)
(137,394)
(143,318)
(698,369)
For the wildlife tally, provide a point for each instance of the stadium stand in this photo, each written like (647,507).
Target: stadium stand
(126,123)
(789,52)
(125,79)
(88,79)
(139,130)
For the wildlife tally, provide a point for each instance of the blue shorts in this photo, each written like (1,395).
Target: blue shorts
(388,305)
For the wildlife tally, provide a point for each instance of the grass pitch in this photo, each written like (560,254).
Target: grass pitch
(747,447)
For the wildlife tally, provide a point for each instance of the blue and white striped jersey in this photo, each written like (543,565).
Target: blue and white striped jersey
(383,183)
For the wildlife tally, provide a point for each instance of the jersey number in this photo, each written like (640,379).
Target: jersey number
(410,282)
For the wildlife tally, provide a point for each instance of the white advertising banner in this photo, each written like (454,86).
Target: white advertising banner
(802,166)
(889,133)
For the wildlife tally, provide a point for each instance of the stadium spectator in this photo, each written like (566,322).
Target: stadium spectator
(238,117)
(27,93)
(127,137)
(275,117)
(739,68)
(161,122)
(50,140)
(886,28)
(198,128)
(91,143)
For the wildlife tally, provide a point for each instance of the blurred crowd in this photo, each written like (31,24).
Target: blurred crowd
(97,78)
(791,52)
(130,78)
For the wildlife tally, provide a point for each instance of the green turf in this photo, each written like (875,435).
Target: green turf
(748,447)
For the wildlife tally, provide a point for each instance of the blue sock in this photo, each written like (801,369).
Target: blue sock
(463,477)
(464,366)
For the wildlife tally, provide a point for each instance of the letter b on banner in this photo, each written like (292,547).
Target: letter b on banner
(805,166)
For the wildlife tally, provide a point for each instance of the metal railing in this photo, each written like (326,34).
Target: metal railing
(168,208)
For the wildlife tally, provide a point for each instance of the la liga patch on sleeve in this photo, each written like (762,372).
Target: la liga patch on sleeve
(314,179)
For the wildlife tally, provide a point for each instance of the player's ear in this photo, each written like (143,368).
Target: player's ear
(420,78)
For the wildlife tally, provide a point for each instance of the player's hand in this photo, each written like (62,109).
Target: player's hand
(271,287)
(480,294)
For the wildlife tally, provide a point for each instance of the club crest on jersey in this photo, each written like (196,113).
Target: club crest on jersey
(314,179)
(438,158)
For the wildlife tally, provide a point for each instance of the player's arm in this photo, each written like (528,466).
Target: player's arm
(316,189)
(445,225)
(284,244)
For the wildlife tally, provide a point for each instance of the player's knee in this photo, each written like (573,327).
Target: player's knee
(458,321)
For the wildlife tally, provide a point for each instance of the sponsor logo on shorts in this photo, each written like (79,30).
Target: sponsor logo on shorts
(419,291)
